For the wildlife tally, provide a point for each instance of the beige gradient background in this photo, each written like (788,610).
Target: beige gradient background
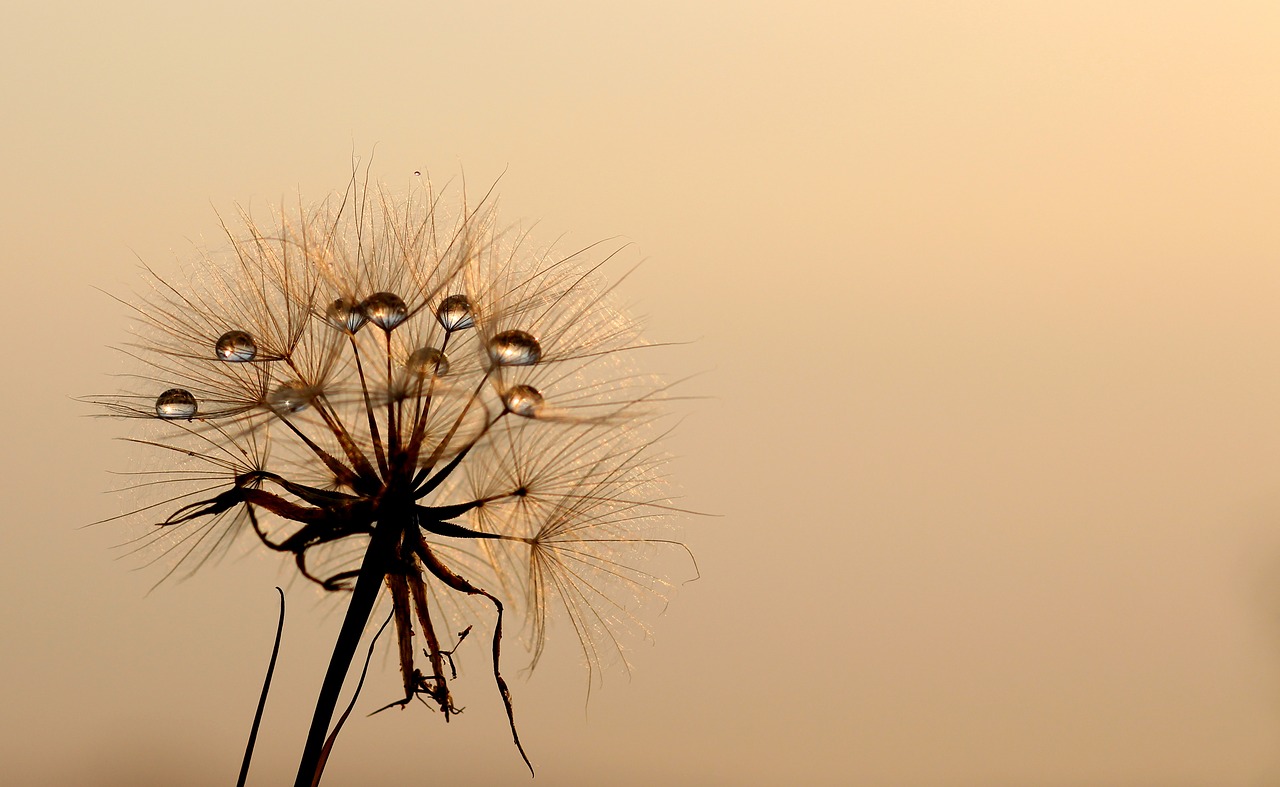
(985,295)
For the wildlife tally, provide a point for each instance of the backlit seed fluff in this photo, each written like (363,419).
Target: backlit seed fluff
(417,465)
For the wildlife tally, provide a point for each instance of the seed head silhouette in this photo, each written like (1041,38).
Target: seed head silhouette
(419,410)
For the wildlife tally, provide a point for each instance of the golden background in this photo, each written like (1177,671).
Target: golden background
(985,300)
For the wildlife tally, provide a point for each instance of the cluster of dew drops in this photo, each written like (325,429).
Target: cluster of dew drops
(386,310)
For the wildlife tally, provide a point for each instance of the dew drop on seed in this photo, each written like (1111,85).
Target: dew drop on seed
(427,361)
(176,403)
(347,315)
(290,398)
(523,400)
(385,310)
(236,347)
(514,348)
(454,313)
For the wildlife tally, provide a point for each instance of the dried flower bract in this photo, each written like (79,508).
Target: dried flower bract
(412,407)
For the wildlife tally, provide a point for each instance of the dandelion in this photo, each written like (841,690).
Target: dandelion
(421,412)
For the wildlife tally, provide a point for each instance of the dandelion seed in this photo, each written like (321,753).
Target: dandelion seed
(176,403)
(523,400)
(454,313)
(514,348)
(290,398)
(346,314)
(427,361)
(236,347)
(385,310)
(487,456)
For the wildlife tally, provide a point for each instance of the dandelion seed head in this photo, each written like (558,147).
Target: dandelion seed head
(495,424)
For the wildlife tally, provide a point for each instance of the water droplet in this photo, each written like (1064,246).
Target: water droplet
(290,398)
(454,313)
(385,310)
(347,315)
(417,173)
(427,361)
(514,348)
(235,347)
(176,403)
(523,400)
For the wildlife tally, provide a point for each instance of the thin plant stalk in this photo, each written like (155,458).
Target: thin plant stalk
(262,698)
(355,695)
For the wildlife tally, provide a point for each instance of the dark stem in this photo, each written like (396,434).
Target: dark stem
(373,569)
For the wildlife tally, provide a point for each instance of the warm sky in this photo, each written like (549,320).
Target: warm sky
(984,301)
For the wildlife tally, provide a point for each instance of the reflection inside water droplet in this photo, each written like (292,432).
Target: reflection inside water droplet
(345,314)
(454,313)
(176,403)
(290,398)
(523,400)
(514,348)
(427,361)
(385,310)
(236,347)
